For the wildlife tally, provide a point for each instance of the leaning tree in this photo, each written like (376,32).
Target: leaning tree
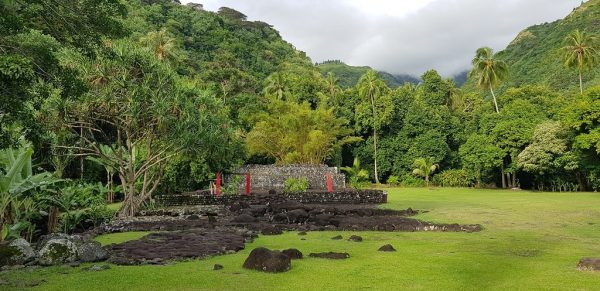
(580,52)
(489,71)
(146,114)
(375,98)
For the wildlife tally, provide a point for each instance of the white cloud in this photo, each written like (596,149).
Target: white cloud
(402,36)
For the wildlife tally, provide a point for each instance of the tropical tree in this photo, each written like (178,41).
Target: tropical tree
(358,175)
(276,85)
(489,71)
(161,44)
(424,168)
(295,133)
(371,89)
(16,180)
(580,52)
(106,160)
(147,115)
(479,156)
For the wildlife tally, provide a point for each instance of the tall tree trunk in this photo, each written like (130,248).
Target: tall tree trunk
(503,177)
(375,154)
(81,157)
(514,179)
(495,102)
(580,83)
(374,137)
(52,219)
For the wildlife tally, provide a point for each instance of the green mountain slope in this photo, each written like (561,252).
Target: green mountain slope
(349,75)
(535,57)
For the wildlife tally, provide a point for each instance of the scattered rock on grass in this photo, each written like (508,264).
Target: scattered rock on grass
(271,230)
(330,255)
(265,260)
(217,267)
(355,238)
(16,252)
(337,237)
(589,264)
(294,254)
(91,251)
(302,233)
(57,251)
(387,248)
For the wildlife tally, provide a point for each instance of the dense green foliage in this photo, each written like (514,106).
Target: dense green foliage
(349,75)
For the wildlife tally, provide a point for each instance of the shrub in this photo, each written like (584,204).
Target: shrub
(453,178)
(83,195)
(84,219)
(409,180)
(292,185)
(358,177)
(393,180)
(232,187)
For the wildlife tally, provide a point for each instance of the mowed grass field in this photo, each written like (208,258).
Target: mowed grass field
(530,241)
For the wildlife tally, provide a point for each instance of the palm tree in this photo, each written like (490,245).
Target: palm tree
(356,173)
(332,84)
(489,71)
(370,88)
(161,43)
(424,168)
(277,85)
(109,166)
(580,52)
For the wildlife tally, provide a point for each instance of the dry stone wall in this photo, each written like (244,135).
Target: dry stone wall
(344,196)
(266,177)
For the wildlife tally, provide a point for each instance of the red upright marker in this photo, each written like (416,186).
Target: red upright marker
(248,184)
(218,184)
(329,183)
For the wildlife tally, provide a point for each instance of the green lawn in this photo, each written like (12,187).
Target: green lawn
(530,241)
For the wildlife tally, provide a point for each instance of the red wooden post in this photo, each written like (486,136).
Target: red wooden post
(329,183)
(218,184)
(248,184)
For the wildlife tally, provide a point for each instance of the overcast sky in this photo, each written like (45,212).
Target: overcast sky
(401,36)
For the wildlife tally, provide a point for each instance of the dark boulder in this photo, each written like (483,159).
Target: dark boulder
(258,211)
(91,251)
(57,251)
(280,218)
(322,219)
(302,233)
(217,267)
(237,206)
(286,206)
(387,248)
(589,264)
(330,255)
(265,260)
(294,254)
(244,218)
(16,252)
(337,237)
(193,217)
(297,216)
(271,230)
(355,238)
